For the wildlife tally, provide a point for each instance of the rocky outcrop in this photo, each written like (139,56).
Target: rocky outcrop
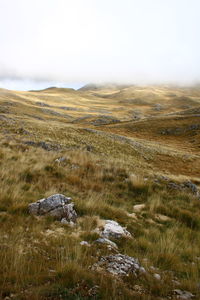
(187,186)
(57,206)
(104,120)
(113,230)
(120,265)
(191,187)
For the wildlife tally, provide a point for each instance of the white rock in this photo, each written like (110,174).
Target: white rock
(84,243)
(139,207)
(157,276)
(113,230)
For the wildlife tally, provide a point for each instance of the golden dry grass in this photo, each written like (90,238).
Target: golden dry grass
(106,175)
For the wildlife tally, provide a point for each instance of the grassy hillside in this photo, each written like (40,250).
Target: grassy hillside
(121,146)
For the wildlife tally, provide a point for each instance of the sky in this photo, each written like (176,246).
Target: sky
(73,42)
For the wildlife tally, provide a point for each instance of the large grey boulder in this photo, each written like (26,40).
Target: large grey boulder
(113,230)
(120,265)
(57,206)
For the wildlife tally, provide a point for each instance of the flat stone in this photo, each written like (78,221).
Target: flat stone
(163,218)
(139,207)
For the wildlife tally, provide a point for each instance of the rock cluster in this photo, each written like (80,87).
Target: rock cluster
(57,206)
(61,207)
(121,265)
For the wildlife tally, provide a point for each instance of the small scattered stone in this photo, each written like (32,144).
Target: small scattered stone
(163,218)
(52,271)
(183,295)
(153,268)
(70,223)
(107,242)
(133,216)
(93,291)
(139,289)
(157,276)
(139,207)
(176,282)
(84,243)
(74,166)
(60,160)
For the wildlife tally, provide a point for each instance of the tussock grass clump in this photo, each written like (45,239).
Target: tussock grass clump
(137,184)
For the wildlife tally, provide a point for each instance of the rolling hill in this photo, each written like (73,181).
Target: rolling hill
(130,154)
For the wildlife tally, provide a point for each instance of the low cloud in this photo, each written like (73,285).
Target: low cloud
(73,41)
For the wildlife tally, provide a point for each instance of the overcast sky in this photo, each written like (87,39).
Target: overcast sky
(71,42)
